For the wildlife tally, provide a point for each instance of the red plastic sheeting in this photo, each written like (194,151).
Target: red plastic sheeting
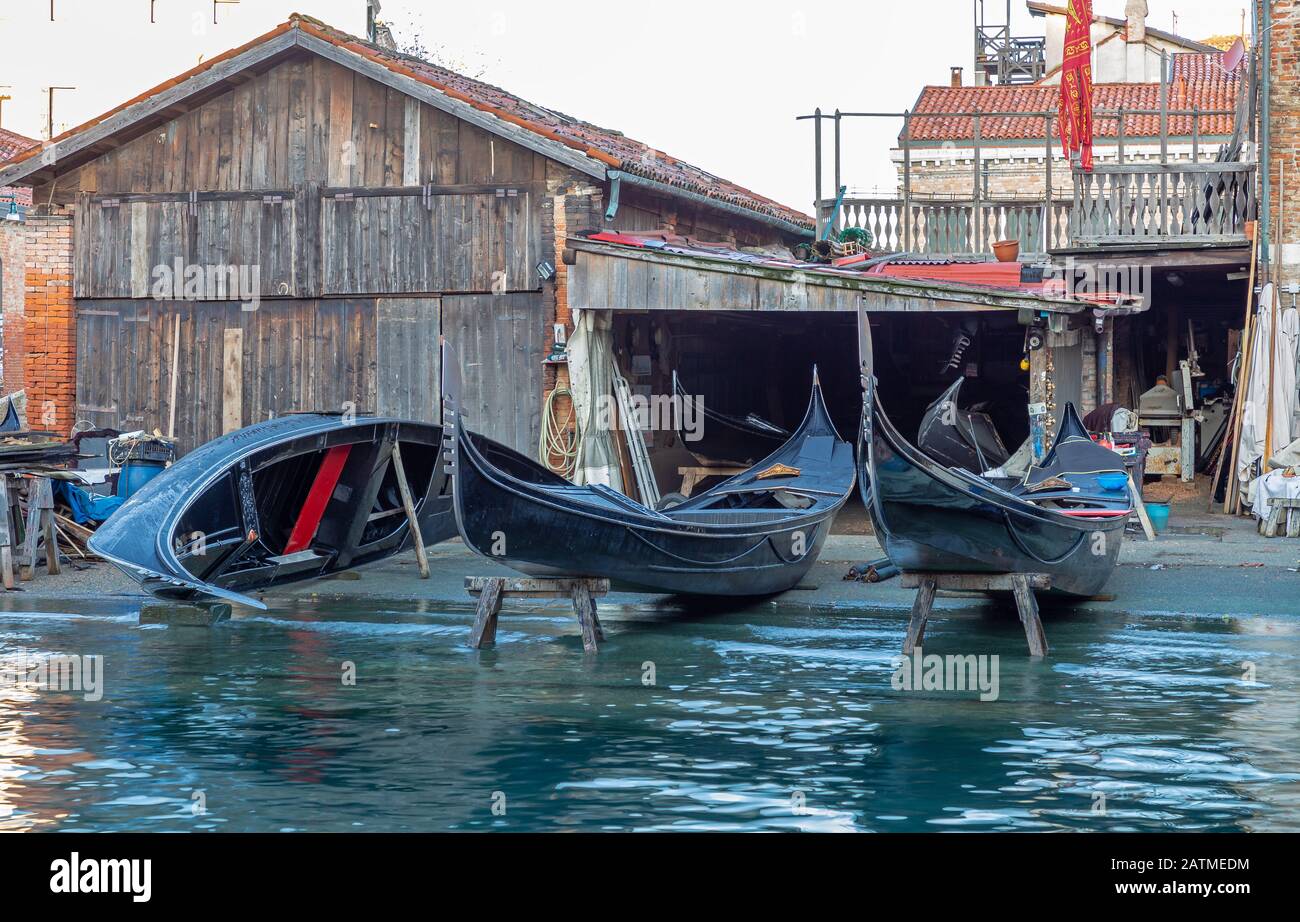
(1003,275)
(318,497)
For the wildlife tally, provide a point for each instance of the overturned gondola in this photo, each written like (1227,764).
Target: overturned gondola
(755,534)
(1064,518)
(715,438)
(290,499)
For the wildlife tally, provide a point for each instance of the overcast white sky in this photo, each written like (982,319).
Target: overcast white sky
(714,82)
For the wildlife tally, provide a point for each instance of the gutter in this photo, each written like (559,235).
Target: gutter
(618,177)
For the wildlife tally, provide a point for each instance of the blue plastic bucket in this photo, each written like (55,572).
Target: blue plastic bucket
(136,474)
(1158,513)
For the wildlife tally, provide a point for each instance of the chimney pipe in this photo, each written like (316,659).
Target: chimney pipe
(955,79)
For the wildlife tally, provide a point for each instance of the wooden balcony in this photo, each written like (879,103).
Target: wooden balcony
(1130,203)
(1112,206)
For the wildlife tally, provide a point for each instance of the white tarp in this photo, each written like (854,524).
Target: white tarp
(590,352)
(1255,411)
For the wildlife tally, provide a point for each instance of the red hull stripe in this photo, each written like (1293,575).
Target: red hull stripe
(313,508)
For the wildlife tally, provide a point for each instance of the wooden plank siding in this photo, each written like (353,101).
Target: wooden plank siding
(297,356)
(410,242)
(498,341)
(366,355)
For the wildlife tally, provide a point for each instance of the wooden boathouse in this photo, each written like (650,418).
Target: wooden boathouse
(292,226)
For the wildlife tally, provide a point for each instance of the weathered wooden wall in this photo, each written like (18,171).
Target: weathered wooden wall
(375,222)
(368,355)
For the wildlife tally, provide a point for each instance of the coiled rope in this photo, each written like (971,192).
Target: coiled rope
(557,441)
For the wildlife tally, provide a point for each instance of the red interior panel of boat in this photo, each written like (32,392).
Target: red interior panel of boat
(313,508)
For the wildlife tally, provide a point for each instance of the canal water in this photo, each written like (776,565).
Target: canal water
(767,719)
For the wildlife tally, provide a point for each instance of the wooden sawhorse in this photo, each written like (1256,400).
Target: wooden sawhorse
(492,590)
(39,525)
(1283,515)
(1020,585)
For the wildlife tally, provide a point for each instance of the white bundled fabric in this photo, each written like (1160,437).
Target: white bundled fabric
(1255,410)
(590,352)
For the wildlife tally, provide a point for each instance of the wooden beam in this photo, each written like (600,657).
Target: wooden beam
(232,380)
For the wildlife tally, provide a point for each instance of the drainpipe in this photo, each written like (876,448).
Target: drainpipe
(1265,200)
(615,184)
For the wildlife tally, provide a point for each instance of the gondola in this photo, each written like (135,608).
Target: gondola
(1065,518)
(960,438)
(290,499)
(755,534)
(719,439)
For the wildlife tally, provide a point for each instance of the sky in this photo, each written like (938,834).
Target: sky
(713,82)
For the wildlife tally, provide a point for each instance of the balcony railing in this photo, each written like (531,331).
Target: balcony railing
(947,227)
(1114,204)
(1203,202)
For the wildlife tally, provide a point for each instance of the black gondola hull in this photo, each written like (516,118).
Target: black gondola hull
(530,534)
(935,519)
(218,523)
(756,534)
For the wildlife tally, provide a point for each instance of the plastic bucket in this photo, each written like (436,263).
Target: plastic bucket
(1158,513)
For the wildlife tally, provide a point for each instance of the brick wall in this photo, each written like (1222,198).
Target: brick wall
(51,342)
(13,270)
(1284,128)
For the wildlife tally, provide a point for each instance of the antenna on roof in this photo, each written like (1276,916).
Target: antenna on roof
(50,109)
(217,3)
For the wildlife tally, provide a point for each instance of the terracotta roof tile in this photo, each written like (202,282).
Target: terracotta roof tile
(604,145)
(12,143)
(1198,80)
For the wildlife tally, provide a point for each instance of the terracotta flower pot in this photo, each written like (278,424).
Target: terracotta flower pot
(1007,251)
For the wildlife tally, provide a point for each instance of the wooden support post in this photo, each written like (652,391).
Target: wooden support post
(485,620)
(7,532)
(45,507)
(1027,608)
(421,557)
(921,607)
(1020,585)
(1141,509)
(31,535)
(493,590)
(584,606)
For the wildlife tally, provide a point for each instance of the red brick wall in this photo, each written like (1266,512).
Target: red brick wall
(13,268)
(1284,130)
(51,332)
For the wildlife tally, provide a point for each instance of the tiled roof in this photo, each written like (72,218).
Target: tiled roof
(12,143)
(1198,81)
(611,148)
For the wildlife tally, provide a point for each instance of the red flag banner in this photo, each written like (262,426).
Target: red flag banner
(1074,109)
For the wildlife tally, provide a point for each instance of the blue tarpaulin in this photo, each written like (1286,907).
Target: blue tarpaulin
(86,507)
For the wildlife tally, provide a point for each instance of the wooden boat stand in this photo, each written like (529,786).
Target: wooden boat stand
(1021,585)
(14,533)
(492,590)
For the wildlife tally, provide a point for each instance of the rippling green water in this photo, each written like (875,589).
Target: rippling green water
(766,719)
